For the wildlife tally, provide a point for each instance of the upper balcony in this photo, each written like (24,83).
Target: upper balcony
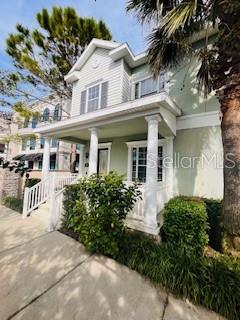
(46,117)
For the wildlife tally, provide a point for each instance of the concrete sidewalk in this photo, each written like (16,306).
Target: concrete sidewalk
(50,276)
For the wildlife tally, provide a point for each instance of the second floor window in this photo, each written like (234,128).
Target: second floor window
(94,98)
(54,143)
(26,123)
(46,114)
(24,145)
(42,143)
(57,113)
(149,86)
(32,144)
(34,122)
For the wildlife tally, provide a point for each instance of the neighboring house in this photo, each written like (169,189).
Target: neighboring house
(64,156)
(127,121)
(7,128)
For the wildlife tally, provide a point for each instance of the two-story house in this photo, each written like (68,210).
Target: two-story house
(159,131)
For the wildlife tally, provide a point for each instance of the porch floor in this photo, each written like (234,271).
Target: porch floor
(47,275)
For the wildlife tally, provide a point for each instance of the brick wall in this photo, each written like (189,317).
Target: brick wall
(9,183)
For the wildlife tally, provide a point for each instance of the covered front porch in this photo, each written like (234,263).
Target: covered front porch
(137,145)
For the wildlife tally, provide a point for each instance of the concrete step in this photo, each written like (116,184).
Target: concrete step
(41,213)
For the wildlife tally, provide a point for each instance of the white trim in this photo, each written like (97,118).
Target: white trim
(124,51)
(120,112)
(199,120)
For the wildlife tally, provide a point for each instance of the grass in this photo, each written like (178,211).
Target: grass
(13,203)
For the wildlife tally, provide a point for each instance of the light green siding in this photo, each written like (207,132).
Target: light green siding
(119,157)
(182,89)
(202,178)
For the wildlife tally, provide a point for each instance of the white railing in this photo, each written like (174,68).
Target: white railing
(42,191)
(62,181)
(36,195)
(138,210)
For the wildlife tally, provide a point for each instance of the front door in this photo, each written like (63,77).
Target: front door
(103,158)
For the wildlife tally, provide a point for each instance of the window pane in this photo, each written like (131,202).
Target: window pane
(93,98)
(32,144)
(142,173)
(24,145)
(148,86)
(134,164)
(139,162)
(42,142)
(160,163)
(54,143)
(40,165)
(137,90)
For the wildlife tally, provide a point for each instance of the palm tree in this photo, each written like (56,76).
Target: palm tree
(176,22)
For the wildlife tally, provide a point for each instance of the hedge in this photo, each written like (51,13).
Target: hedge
(13,203)
(211,282)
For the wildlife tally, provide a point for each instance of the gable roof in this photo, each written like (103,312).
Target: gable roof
(95,43)
(116,51)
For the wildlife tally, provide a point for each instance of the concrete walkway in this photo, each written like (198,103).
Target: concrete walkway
(50,276)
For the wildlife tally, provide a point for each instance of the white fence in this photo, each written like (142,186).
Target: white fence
(42,191)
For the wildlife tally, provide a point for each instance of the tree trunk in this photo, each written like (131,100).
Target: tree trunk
(231,148)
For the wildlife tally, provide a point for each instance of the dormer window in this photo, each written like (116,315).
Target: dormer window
(149,86)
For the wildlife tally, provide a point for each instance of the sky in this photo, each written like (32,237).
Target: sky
(124,27)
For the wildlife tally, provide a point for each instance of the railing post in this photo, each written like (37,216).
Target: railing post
(25,203)
(52,212)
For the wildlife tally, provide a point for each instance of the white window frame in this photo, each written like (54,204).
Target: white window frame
(146,78)
(138,144)
(99,98)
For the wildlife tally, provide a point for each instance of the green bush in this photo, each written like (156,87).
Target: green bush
(31,182)
(214,208)
(101,206)
(73,212)
(185,224)
(213,283)
(13,203)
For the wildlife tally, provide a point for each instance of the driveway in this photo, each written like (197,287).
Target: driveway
(47,275)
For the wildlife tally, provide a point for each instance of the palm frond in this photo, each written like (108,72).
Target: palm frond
(166,52)
(179,16)
(204,75)
(148,10)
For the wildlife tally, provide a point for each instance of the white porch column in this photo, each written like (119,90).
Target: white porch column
(150,218)
(93,152)
(81,161)
(46,158)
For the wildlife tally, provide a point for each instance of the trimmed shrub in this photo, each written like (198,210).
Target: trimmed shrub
(96,210)
(185,225)
(13,203)
(214,210)
(31,182)
(211,282)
